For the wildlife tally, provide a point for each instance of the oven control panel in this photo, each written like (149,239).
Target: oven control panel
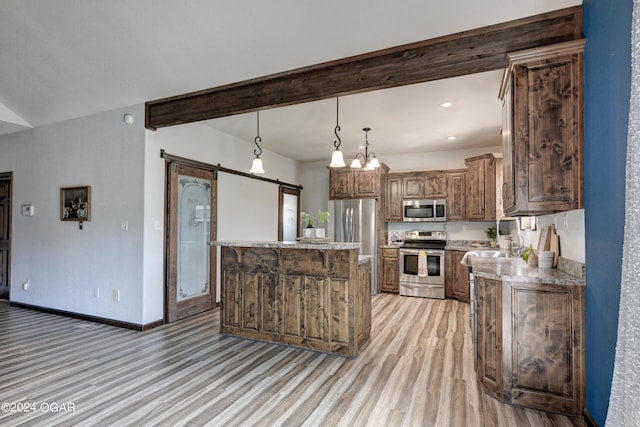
(425,235)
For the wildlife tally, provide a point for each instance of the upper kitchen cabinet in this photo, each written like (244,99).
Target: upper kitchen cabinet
(347,183)
(457,195)
(393,198)
(424,185)
(481,188)
(542,135)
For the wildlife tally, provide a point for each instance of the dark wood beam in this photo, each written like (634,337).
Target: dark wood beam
(468,52)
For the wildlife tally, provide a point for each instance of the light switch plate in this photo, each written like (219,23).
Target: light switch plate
(27,210)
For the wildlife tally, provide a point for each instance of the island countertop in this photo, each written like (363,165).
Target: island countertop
(286,244)
(516,270)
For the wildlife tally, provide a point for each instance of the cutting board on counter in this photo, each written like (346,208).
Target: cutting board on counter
(549,241)
(554,244)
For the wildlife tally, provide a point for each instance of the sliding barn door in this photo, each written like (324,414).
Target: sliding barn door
(190,272)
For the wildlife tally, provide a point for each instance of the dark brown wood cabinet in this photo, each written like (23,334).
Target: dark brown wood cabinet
(456,276)
(530,344)
(489,339)
(481,188)
(424,185)
(456,195)
(390,279)
(315,299)
(542,135)
(393,198)
(341,183)
(347,183)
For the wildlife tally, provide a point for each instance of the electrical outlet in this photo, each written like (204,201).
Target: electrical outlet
(124,225)
(156,225)
(566,221)
(25,285)
(96,292)
(116,295)
(464,227)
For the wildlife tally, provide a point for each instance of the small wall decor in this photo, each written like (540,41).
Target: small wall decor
(75,204)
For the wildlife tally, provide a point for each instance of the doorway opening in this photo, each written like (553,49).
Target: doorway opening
(5,234)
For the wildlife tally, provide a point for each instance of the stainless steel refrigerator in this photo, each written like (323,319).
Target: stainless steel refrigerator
(356,221)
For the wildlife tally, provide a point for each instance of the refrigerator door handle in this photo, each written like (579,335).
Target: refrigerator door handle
(346,225)
(351,226)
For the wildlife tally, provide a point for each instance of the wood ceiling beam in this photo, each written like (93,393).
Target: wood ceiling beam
(468,52)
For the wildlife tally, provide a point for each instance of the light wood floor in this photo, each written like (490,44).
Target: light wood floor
(417,370)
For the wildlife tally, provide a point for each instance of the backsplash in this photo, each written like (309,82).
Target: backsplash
(455,230)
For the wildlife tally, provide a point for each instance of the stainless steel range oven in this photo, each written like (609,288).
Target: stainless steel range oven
(422,264)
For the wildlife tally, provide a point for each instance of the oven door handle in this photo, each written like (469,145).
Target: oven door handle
(417,251)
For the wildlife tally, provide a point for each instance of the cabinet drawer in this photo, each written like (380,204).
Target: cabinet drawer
(390,253)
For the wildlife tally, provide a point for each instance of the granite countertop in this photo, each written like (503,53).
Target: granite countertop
(286,244)
(470,245)
(364,258)
(516,270)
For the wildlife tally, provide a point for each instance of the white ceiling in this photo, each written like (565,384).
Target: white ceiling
(70,58)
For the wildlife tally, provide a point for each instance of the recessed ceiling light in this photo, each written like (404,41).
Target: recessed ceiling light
(446,104)
(451,138)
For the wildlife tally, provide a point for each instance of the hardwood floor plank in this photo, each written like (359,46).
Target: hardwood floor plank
(417,370)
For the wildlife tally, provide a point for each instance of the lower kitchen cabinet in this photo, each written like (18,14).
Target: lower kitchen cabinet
(456,278)
(530,344)
(390,281)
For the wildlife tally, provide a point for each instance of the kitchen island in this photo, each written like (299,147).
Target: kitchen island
(530,333)
(315,296)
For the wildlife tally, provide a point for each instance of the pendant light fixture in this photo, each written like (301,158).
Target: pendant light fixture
(256,166)
(368,158)
(337,159)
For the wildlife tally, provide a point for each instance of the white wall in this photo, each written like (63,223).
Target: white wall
(64,264)
(571,233)
(247,208)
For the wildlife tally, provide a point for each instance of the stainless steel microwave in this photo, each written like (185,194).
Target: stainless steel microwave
(431,210)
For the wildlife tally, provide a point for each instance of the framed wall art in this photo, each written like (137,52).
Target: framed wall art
(75,204)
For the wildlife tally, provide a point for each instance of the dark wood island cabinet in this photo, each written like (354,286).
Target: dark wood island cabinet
(314,296)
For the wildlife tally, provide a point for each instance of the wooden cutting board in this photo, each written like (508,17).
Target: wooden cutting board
(554,246)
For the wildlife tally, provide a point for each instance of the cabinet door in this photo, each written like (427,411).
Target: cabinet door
(449,274)
(546,342)
(390,273)
(231,292)
(292,307)
(475,190)
(489,330)
(393,199)
(413,187)
(508,161)
(460,289)
(546,130)
(435,185)
(554,151)
(341,183)
(456,276)
(481,188)
(366,183)
(456,196)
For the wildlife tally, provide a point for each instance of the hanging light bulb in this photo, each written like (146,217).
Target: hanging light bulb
(256,165)
(368,158)
(337,159)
